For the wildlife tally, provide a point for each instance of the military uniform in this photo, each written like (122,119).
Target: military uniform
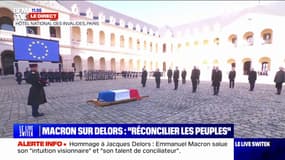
(19,77)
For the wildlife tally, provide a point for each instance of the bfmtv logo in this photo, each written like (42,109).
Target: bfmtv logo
(26,130)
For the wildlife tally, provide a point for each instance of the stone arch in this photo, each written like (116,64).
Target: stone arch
(90,63)
(102,63)
(232,62)
(90,35)
(102,38)
(76,35)
(112,40)
(6,19)
(265,65)
(77,63)
(246,65)
(122,64)
(266,35)
(7,61)
(113,64)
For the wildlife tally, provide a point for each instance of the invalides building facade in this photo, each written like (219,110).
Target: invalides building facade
(244,39)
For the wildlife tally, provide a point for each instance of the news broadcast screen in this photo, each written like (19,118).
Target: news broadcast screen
(142,80)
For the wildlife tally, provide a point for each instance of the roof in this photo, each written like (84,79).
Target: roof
(96,9)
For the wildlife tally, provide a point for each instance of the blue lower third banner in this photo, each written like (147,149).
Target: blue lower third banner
(259,149)
(123,131)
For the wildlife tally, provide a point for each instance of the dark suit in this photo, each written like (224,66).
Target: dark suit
(175,79)
(183,75)
(279,79)
(37,94)
(251,79)
(195,77)
(232,76)
(157,76)
(169,75)
(216,80)
(144,78)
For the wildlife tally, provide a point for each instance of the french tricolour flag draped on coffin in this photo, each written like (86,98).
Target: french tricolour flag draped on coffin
(118,95)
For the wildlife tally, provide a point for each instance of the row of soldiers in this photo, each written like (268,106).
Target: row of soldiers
(50,76)
(99,75)
(216,78)
(129,74)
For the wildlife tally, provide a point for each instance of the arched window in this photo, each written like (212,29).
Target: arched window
(248,37)
(55,32)
(122,41)
(266,35)
(6,24)
(6,19)
(113,41)
(102,38)
(233,39)
(164,47)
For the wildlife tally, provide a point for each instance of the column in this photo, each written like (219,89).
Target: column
(83,35)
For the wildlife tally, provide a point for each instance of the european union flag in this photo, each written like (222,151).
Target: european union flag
(35,49)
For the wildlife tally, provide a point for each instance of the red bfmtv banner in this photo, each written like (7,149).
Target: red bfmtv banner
(42,16)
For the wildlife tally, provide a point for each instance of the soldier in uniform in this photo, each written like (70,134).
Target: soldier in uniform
(144,77)
(279,79)
(183,75)
(157,76)
(169,75)
(232,76)
(252,76)
(19,77)
(216,80)
(26,73)
(195,78)
(50,76)
(176,78)
(80,75)
(37,93)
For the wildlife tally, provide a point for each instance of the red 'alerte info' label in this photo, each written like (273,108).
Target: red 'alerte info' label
(42,15)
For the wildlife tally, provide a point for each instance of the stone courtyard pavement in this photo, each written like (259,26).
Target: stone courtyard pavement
(255,114)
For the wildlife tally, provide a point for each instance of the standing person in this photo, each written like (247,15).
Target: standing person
(157,76)
(176,78)
(26,73)
(232,76)
(144,77)
(252,78)
(169,75)
(183,75)
(37,93)
(216,80)
(80,75)
(195,78)
(279,79)
(19,77)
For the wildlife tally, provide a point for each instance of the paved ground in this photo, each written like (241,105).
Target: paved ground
(255,114)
